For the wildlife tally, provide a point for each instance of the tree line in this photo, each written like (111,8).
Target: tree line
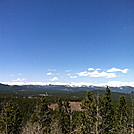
(98,116)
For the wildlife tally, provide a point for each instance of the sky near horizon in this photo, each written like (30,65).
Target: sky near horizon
(66,41)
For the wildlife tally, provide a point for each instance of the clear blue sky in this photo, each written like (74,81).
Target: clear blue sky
(41,39)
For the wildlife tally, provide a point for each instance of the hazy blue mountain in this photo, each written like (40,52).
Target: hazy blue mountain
(123,89)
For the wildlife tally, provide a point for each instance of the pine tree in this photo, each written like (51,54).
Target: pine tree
(76,122)
(42,117)
(64,116)
(122,118)
(99,112)
(91,117)
(11,119)
(88,115)
(108,113)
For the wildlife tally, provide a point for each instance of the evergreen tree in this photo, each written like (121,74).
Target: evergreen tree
(108,114)
(76,122)
(64,116)
(98,126)
(42,117)
(88,115)
(91,117)
(122,118)
(11,119)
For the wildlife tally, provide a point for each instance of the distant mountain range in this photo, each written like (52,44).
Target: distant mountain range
(122,89)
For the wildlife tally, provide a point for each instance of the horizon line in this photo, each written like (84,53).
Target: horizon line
(78,84)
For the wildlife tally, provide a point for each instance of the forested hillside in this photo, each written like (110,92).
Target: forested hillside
(100,113)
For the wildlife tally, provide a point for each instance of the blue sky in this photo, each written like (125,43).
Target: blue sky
(61,40)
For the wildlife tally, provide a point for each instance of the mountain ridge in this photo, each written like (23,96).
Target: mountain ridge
(121,89)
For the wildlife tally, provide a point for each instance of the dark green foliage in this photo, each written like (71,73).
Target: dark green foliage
(63,113)
(88,115)
(76,121)
(108,113)
(42,116)
(122,118)
(101,114)
(11,118)
(91,117)
(26,105)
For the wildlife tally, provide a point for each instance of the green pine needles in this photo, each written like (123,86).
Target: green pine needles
(10,119)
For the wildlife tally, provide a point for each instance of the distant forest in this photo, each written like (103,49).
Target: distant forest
(98,114)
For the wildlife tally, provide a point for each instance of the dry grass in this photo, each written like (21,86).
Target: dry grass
(75,106)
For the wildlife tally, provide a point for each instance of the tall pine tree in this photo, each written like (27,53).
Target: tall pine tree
(91,117)
(42,117)
(108,113)
(88,115)
(122,118)
(64,116)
